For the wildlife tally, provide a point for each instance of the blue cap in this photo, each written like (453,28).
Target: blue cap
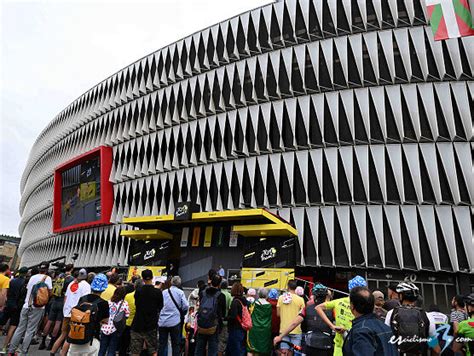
(273,294)
(357,281)
(99,283)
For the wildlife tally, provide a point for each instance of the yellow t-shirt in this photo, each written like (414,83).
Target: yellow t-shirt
(130,299)
(343,316)
(288,312)
(108,292)
(4,282)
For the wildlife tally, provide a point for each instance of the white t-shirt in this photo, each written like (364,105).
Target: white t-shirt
(431,331)
(34,280)
(439,318)
(74,292)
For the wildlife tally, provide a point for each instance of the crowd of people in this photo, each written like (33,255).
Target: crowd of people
(72,312)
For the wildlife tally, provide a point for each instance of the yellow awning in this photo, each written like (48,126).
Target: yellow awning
(245,222)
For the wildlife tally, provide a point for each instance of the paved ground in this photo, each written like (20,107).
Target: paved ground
(35,352)
(33,349)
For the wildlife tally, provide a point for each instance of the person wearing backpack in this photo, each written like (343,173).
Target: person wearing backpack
(320,340)
(55,315)
(74,291)
(175,307)
(111,332)
(87,316)
(409,322)
(369,336)
(38,293)
(210,318)
(224,334)
(235,343)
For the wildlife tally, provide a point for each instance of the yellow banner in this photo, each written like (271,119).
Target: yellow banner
(208,236)
(267,277)
(137,271)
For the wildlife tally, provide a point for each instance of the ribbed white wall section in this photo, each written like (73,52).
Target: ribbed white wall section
(346,118)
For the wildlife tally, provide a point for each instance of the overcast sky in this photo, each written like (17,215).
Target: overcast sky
(53,51)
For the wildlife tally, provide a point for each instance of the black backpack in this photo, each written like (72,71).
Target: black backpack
(207,314)
(410,322)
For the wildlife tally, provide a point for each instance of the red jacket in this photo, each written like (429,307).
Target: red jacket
(275,317)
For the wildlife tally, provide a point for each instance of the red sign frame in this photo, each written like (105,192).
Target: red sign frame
(106,191)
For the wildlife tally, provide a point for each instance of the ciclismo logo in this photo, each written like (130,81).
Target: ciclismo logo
(441,334)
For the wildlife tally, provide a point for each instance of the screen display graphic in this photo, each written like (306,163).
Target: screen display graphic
(81,193)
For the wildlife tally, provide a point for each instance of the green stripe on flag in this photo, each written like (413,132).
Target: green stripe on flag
(436,17)
(463,13)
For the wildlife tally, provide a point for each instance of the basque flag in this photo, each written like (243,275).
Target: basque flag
(450,18)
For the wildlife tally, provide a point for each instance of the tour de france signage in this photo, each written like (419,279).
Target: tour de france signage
(184,210)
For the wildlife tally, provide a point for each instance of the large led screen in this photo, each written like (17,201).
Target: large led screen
(82,191)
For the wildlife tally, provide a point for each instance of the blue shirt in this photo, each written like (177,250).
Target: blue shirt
(369,337)
(170,315)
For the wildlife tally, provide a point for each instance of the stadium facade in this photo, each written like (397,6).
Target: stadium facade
(344,118)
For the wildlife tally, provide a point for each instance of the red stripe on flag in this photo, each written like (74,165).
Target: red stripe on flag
(442,31)
(464,29)
(430,9)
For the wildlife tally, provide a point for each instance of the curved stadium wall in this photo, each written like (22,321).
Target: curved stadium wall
(346,118)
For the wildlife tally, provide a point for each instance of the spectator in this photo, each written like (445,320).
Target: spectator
(109,335)
(99,284)
(90,277)
(273,300)
(30,316)
(379,311)
(300,292)
(210,274)
(148,302)
(4,284)
(221,271)
(210,318)
(342,314)
(288,308)
(259,340)
(401,319)
(74,291)
(435,314)
(392,295)
(130,299)
(114,282)
(466,328)
(172,270)
(224,334)
(171,318)
(235,343)
(190,328)
(458,312)
(251,294)
(193,298)
(439,319)
(13,306)
(319,341)
(368,336)
(55,315)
